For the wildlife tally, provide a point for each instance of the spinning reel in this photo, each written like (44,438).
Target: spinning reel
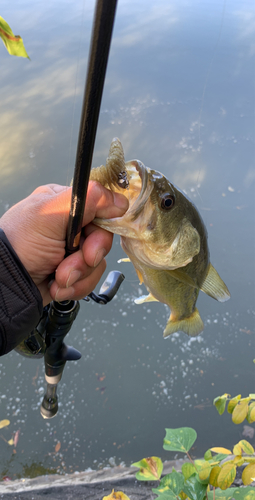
(47,339)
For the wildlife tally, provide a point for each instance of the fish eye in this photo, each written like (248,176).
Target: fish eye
(167,201)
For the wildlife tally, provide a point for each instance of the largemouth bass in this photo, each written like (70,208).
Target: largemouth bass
(164,237)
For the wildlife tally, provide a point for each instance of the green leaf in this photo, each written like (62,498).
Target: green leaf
(232,403)
(208,455)
(166,496)
(194,489)
(220,456)
(247,493)
(223,495)
(13,43)
(240,411)
(220,403)
(180,439)
(248,474)
(171,483)
(226,476)
(150,469)
(188,470)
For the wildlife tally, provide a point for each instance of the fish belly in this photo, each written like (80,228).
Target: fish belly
(180,297)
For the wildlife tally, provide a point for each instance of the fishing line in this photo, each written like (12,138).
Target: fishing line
(206,82)
(75,96)
(210,68)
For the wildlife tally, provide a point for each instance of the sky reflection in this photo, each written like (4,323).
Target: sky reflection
(179,93)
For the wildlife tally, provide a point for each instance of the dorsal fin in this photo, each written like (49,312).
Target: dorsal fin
(214,286)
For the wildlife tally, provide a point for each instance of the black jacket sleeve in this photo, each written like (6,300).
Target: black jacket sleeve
(21,305)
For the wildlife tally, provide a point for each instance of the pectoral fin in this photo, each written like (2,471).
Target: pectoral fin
(193,325)
(126,259)
(214,286)
(184,247)
(145,298)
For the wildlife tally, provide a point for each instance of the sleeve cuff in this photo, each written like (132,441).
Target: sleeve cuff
(21,304)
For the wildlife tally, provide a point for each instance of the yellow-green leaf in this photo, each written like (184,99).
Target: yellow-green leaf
(182,495)
(204,472)
(213,479)
(251,413)
(116,495)
(243,446)
(208,455)
(226,476)
(4,423)
(247,447)
(237,450)
(199,463)
(240,412)
(248,474)
(239,460)
(233,402)
(219,449)
(150,469)
(13,43)
(188,469)
(220,403)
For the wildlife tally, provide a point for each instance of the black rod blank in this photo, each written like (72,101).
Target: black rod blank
(98,57)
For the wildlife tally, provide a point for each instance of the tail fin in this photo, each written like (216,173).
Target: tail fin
(193,325)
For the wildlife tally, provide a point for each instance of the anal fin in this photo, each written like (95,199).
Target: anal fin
(145,298)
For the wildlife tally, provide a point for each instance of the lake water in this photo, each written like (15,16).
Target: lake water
(179,93)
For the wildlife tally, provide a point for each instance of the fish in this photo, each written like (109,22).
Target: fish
(164,237)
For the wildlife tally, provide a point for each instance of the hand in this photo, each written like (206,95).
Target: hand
(36,228)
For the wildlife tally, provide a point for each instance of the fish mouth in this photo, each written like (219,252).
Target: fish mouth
(136,183)
(139,187)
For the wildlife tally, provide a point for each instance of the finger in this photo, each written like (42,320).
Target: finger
(50,189)
(72,269)
(79,289)
(97,244)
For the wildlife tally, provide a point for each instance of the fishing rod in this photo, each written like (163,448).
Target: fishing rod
(48,338)
(98,58)
(57,353)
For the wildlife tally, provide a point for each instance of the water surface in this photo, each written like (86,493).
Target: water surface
(179,93)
